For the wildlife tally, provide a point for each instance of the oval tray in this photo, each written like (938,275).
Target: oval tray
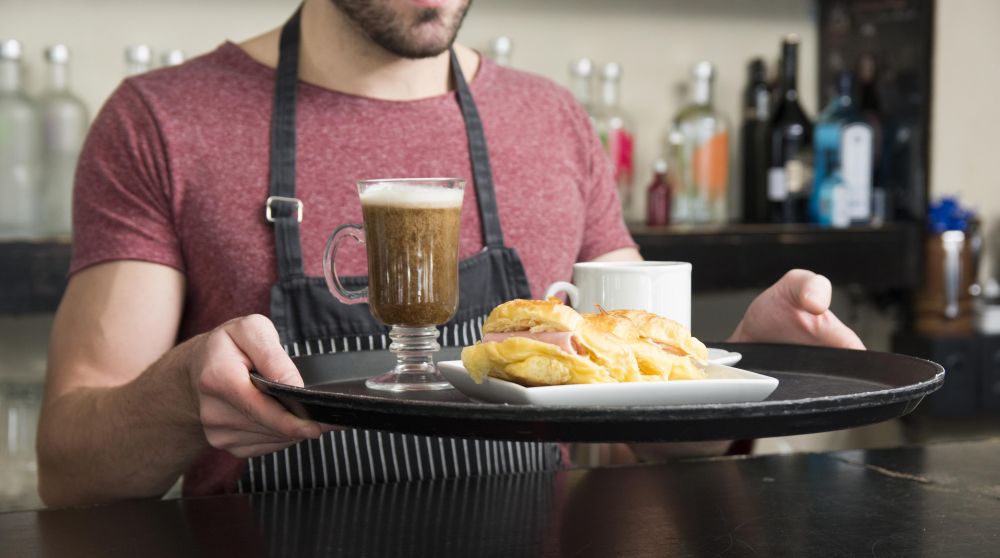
(820,389)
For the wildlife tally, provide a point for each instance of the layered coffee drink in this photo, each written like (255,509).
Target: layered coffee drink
(412,233)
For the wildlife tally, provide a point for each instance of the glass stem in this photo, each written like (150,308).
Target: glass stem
(414,348)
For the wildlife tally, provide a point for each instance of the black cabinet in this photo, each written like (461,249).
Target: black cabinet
(972,371)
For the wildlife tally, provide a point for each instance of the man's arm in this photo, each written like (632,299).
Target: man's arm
(125,412)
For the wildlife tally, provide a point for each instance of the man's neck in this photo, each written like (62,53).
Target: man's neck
(335,54)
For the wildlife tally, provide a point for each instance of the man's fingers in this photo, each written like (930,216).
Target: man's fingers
(833,333)
(256,337)
(807,290)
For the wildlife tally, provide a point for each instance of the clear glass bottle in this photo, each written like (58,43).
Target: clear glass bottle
(138,59)
(64,128)
(580,78)
(501,49)
(615,129)
(20,150)
(703,162)
(172,57)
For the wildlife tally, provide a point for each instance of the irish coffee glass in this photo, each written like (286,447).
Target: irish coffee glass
(411,231)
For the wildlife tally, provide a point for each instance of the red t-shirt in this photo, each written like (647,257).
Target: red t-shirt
(175,172)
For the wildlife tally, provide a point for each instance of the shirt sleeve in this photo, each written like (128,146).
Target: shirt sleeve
(122,192)
(605,229)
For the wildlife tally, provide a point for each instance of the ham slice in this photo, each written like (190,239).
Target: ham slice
(561,339)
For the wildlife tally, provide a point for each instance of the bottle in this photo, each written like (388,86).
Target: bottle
(753,142)
(616,132)
(659,196)
(138,59)
(20,149)
(500,50)
(870,107)
(64,127)
(831,195)
(842,132)
(580,72)
(703,163)
(172,57)
(789,145)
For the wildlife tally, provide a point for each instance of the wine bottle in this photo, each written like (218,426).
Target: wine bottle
(753,142)
(704,152)
(20,149)
(64,128)
(615,129)
(789,145)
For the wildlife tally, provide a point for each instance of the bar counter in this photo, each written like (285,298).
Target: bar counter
(936,500)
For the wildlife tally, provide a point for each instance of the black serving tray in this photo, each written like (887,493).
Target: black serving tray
(820,389)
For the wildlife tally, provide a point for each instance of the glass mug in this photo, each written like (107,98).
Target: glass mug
(411,232)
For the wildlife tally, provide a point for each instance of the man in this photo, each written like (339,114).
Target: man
(174,265)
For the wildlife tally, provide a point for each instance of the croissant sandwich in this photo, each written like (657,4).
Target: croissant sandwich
(539,343)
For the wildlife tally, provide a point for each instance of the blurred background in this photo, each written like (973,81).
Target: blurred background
(851,137)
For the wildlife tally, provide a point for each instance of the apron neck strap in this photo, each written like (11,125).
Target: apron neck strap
(285,211)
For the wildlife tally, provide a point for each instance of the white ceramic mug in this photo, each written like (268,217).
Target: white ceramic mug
(663,288)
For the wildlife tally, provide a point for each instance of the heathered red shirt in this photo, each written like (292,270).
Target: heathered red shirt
(175,172)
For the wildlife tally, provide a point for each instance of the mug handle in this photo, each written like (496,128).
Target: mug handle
(568,288)
(357,232)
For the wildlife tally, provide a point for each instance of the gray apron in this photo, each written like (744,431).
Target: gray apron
(310,321)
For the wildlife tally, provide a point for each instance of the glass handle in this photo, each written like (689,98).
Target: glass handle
(333,283)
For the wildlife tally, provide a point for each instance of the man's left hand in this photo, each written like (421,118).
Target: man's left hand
(796,310)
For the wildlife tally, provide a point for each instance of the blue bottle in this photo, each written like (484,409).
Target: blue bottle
(830,196)
(842,132)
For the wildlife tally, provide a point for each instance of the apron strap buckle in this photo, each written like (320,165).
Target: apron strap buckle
(269,214)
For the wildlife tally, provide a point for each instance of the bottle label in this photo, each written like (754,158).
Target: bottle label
(795,175)
(856,150)
(710,166)
(777,190)
(620,148)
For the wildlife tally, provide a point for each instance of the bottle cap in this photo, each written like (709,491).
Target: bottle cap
(138,54)
(845,83)
(660,166)
(612,71)
(582,67)
(57,54)
(791,39)
(10,49)
(501,45)
(757,69)
(173,57)
(703,70)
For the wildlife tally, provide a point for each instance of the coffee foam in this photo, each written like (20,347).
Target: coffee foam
(401,194)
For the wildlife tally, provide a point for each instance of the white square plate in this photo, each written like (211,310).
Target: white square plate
(723,385)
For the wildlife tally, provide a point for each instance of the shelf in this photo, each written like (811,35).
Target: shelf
(878,259)
(32,275)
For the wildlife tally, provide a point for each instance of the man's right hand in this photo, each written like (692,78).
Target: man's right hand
(235,415)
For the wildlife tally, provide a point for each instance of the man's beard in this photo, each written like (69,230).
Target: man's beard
(423,33)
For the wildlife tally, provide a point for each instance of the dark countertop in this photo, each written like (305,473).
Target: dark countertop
(937,500)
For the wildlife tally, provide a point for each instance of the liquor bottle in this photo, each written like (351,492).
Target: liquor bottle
(64,127)
(659,196)
(500,50)
(20,149)
(703,165)
(753,142)
(138,59)
(616,132)
(831,194)
(842,132)
(172,57)
(580,73)
(789,145)
(870,107)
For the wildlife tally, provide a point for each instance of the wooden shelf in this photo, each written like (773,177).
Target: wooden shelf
(879,259)
(33,275)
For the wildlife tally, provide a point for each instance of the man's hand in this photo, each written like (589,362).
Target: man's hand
(796,309)
(234,414)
